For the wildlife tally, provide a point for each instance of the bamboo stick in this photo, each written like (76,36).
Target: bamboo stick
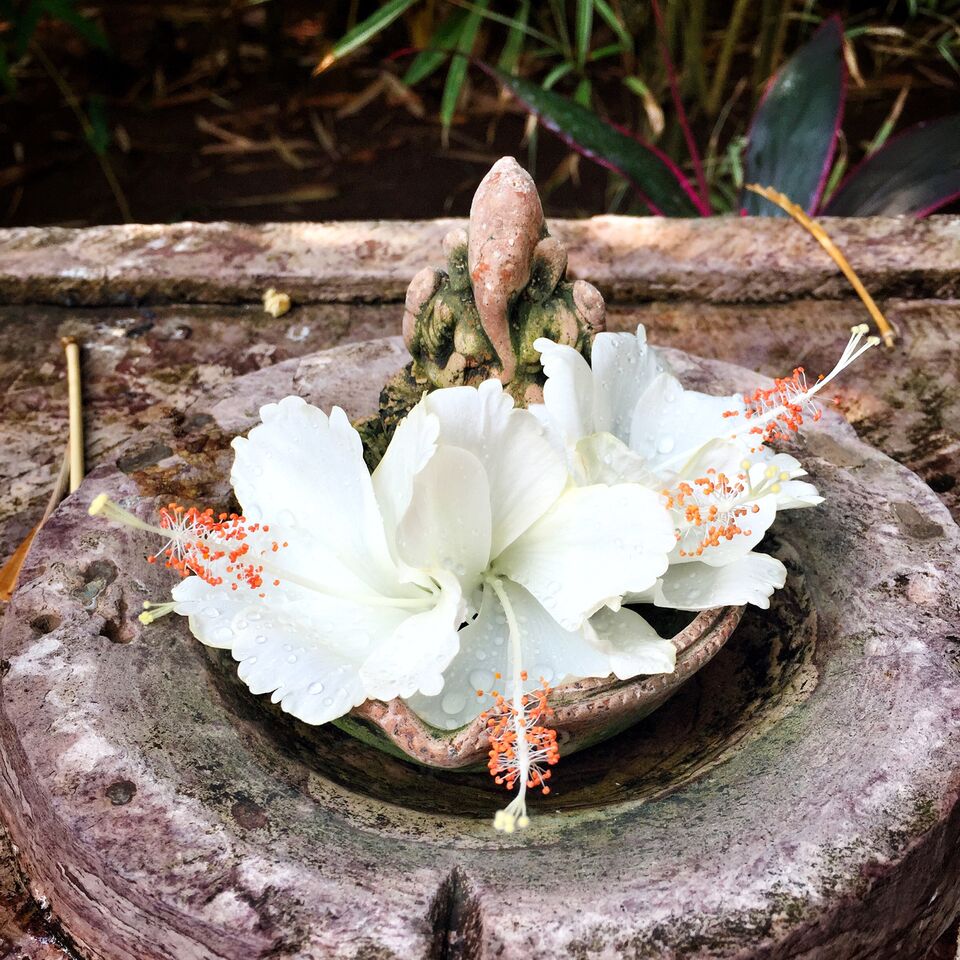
(75,399)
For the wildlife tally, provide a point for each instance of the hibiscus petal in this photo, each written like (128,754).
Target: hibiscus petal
(306,471)
(568,392)
(631,644)
(523,470)
(754,524)
(303,648)
(593,545)
(549,653)
(410,449)
(777,473)
(414,657)
(697,586)
(447,525)
(671,424)
(624,365)
(602,458)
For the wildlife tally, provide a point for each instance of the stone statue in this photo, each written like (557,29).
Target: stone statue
(503,287)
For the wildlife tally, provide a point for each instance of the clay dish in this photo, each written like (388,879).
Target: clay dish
(585,711)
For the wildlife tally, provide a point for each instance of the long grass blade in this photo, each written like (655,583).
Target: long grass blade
(364,31)
(443,41)
(681,113)
(457,73)
(510,55)
(583,30)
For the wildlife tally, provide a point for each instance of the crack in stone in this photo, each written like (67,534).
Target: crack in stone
(457,920)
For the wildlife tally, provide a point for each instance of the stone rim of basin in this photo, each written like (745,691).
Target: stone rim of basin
(178,834)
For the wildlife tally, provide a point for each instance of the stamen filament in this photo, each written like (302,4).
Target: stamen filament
(186,536)
(102,505)
(791,397)
(154,611)
(521,745)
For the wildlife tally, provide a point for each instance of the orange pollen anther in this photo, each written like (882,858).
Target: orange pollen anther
(506,725)
(198,540)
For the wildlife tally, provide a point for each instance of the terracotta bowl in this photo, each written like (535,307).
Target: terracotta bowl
(585,711)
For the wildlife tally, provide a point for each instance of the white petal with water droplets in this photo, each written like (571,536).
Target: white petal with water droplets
(624,365)
(671,424)
(696,586)
(524,472)
(303,648)
(306,471)
(595,544)
(549,653)
(568,392)
(410,449)
(633,647)
(602,458)
(447,525)
(414,657)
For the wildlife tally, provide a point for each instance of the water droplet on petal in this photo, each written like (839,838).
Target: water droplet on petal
(292,658)
(315,688)
(481,679)
(453,702)
(210,612)
(261,639)
(665,445)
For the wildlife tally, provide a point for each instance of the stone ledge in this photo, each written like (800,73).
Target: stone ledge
(631,259)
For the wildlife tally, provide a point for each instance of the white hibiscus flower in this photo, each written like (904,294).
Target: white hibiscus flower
(626,418)
(468,554)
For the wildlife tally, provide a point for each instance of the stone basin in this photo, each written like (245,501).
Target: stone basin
(797,797)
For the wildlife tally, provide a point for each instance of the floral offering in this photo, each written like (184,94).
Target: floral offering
(495,551)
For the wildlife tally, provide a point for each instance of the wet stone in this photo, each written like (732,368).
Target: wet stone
(797,797)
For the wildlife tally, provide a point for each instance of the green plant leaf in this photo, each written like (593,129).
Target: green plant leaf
(366,30)
(441,43)
(611,19)
(792,137)
(98,136)
(584,30)
(915,173)
(659,184)
(457,73)
(510,55)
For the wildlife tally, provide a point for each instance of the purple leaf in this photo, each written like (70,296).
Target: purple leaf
(656,179)
(914,173)
(794,131)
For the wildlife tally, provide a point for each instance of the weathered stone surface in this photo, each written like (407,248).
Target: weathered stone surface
(145,364)
(799,798)
(720,259)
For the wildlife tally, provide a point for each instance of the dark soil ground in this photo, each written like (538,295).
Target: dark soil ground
(213,114)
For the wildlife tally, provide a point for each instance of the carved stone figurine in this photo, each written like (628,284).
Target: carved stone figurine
(504,286)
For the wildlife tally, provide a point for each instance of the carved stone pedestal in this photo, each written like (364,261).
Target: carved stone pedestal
(797,798)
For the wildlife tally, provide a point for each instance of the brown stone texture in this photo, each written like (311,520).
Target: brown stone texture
(800,791)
